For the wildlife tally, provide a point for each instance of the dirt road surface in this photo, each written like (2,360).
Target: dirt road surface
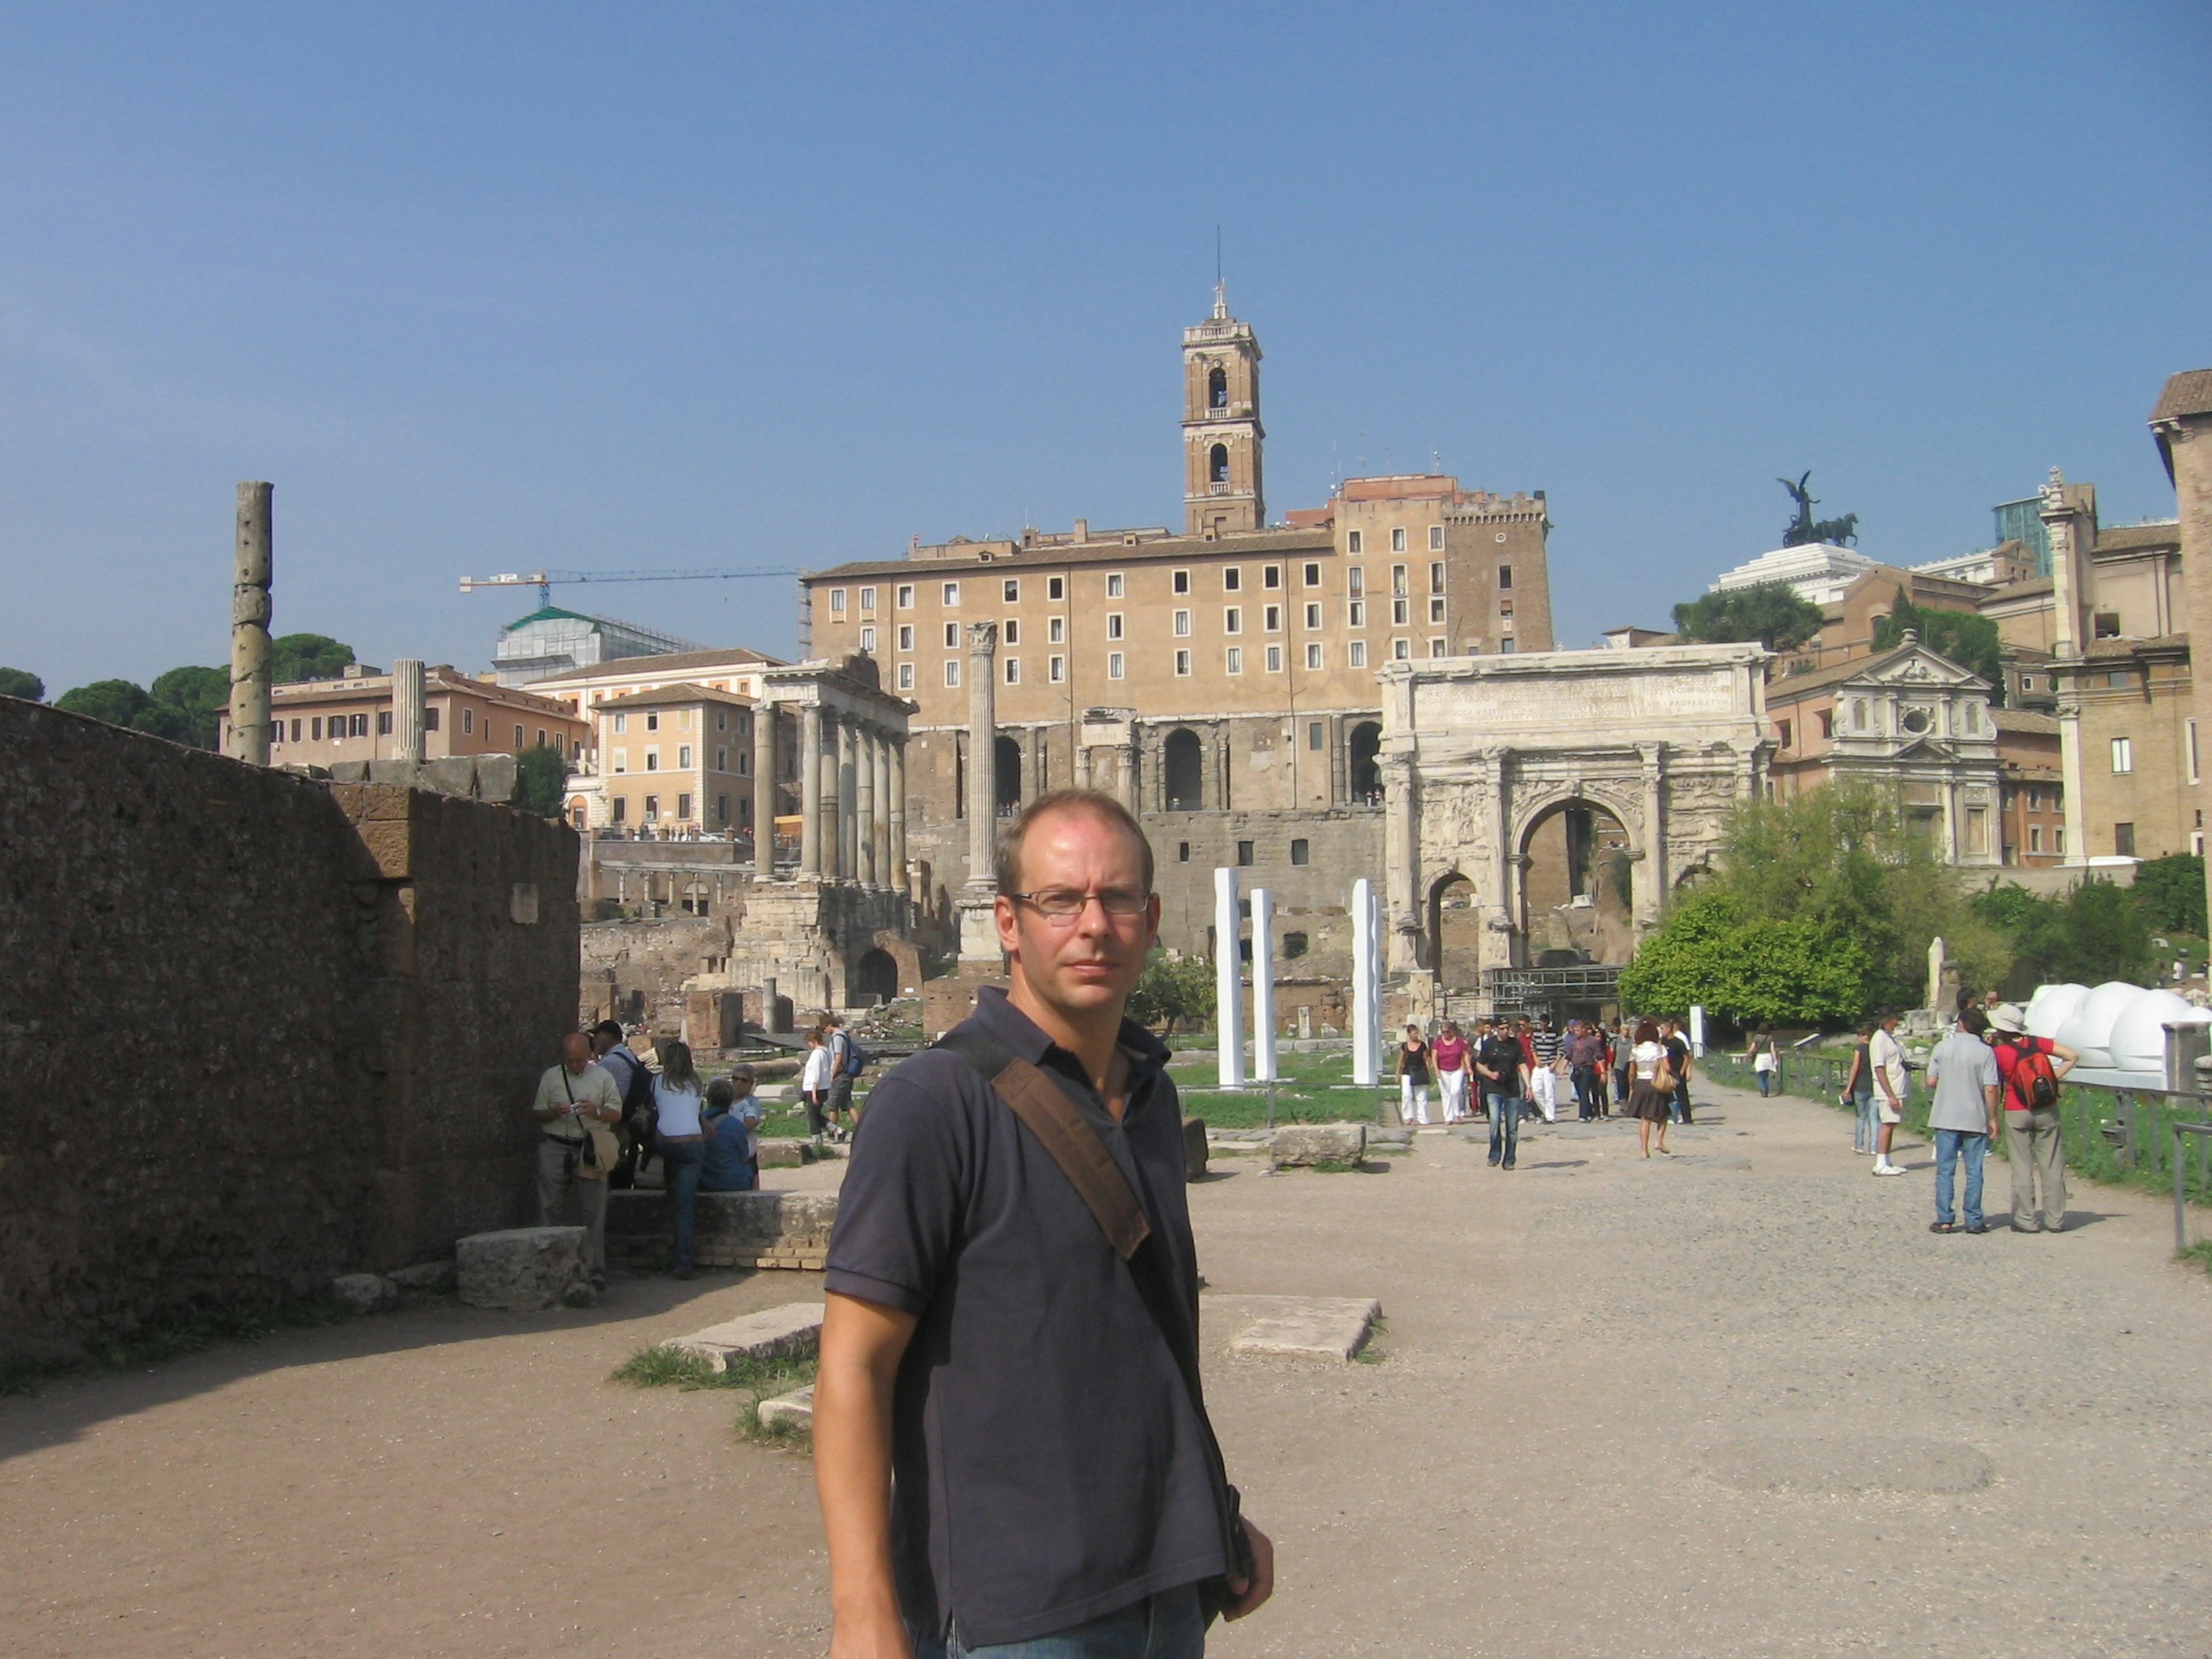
(1739,1402)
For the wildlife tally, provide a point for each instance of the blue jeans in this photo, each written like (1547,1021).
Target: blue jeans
(1505,1124)
(1865,1131)
(1949,1144)
(1169,1625)
(681,1161)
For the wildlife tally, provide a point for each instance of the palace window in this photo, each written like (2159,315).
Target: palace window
(1504,577)
(1232,578)
(1436,611)
(1355,613)
(906,676)
(868,639)
(1113,664)
(1437,576)
(1055,587)
(867,599)
(1232,620)
(1313,654)
(1056,669)
(2124,755)
(1313,575)
(1270,619)
(1352,541)
(1183,662)
(836,601)
(1013,671)
(906,637)
(1401,650)
(904,594)
(950,594)
(1313,616)
(1274,659)
(1233,659)
(952,636)
(1013,591)
(1397,539)
(952,671)
(1355,653)
(1113,584)
(1271,576)
(1183,623)
(1435,539)
(1113,624)
(1180,581)
(1012,633)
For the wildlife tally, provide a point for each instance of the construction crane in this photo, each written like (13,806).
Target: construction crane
(542,581)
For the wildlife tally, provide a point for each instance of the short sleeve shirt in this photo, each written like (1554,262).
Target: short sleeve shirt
(1962,1066)
(590,1087)
(1048,1467)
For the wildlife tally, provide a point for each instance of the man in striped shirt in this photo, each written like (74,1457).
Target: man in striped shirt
(1544,1049)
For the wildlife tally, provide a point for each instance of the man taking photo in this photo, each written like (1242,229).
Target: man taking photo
(1009,1445)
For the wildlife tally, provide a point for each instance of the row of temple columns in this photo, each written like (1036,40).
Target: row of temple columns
(852,789)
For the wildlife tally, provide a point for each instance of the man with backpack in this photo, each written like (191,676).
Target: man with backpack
(847,1062)
(634,1082)
(2031,1067)
(1010,1441)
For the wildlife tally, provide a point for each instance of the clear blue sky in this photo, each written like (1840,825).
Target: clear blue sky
(483,288)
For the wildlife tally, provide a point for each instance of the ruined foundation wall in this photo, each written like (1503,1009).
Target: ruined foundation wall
(260,1030)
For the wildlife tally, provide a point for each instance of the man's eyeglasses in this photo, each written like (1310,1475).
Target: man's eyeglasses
(1065,903)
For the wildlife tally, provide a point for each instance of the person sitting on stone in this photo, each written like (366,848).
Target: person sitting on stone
(732,1114)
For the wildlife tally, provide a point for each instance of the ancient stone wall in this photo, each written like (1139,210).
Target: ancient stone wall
(261,1030)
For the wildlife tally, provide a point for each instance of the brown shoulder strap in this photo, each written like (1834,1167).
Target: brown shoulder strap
(1059,1127)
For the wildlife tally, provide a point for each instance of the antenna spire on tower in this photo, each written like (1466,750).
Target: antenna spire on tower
(1220,293)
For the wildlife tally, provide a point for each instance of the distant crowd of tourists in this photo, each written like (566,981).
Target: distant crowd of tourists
(1507,1067)
(606,1112)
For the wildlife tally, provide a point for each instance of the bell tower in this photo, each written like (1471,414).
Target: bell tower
(1221,431)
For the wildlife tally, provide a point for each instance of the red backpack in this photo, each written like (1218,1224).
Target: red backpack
(2028,1077)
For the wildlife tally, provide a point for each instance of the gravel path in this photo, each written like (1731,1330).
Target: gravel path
(1739,1402)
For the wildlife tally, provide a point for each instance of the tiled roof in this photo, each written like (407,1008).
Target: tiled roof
(661,696)
(2125,537)
(673,662)
(2128,648)
(2189,392)
(1098,552)
(2025,721)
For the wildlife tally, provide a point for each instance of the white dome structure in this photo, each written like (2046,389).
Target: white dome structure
(2119,1029)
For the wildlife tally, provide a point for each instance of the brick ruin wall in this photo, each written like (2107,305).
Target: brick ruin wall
(261,1030)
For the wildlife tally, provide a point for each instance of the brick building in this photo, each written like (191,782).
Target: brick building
(1222,680)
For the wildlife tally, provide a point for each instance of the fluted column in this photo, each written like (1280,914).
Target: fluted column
(407,708)
(879,854)
(1651,897)
(810,790)
(897,813)
(764,791)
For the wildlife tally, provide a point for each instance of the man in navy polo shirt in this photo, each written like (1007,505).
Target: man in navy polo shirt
(1008,1459)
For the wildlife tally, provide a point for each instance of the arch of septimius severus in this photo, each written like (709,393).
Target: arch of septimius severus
(1483,756)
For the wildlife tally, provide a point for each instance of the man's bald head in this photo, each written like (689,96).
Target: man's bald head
(576,1051)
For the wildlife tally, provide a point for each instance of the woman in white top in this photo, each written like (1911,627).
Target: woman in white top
(677,1097)
(1647,1100)
(814,1080)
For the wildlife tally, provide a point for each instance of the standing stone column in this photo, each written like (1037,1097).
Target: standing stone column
(982,751)
(2066,520)
(1401,830)
(250,733)
(2182,422)
(407,708)
(864,804)
(1125,753)
(979,932)
(880,852)
(763,791)
(848,801)
(1651,894)
(833,841)
(810,790)
(897,813)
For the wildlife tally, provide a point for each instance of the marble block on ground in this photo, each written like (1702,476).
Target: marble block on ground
(784,1154)
(1305,1326)
(365,1293)
(794,1330)
(793,1410)
(1307,1144)
(1193,1148)
(525,1269)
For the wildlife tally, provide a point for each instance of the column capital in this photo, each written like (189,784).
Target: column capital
(982,639)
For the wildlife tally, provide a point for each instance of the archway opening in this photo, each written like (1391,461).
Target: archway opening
(1217,388)
(875,977)
(1455,928)
(1008,775)
(1365,744)
(1184,763)
(1217,465)
(1576,888)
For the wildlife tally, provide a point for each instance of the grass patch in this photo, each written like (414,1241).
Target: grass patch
(1370,1351)
(2200,1253)
(174,1339)
(752,1380)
